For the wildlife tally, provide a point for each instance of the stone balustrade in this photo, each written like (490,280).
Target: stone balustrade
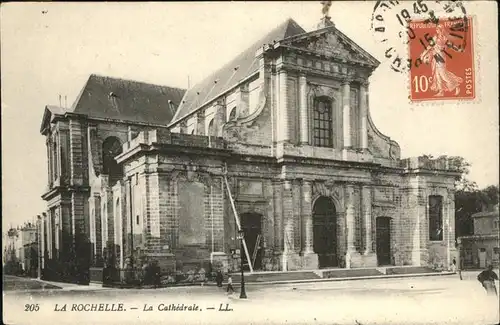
(424,162)
(163,136)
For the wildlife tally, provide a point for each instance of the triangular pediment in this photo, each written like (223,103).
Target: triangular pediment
(331,43)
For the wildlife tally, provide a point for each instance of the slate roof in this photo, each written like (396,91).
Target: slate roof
(56,110)
(113,98)
(228,77)
(50,112)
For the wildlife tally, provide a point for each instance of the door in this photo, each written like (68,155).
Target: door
(383,226)
(251,224)
(325,232)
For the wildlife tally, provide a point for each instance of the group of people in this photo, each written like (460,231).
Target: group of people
(219,278)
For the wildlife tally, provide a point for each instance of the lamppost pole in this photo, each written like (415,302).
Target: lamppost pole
(243,294)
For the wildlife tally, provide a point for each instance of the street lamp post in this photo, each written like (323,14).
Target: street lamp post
(243,294)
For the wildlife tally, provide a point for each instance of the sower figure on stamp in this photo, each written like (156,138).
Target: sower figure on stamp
(442,78)
(487,279)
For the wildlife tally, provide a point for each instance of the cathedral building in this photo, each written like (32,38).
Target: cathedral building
(278,142)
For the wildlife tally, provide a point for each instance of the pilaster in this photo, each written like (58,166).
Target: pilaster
(291,259)
(244,100)
(366,194)
(363,107)
(283,106)
(309,258)
(76,138)
(346,93)
(303,116)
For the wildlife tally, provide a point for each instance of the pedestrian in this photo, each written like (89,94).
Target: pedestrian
(454,266)
(219,278)
(487,279)
(230,288)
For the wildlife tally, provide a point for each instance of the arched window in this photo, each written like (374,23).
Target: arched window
(192,132)
(322,122)
(211,129)
(435,217)
(111,148)
(232,115)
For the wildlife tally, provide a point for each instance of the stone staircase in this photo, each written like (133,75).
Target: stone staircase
(331,274)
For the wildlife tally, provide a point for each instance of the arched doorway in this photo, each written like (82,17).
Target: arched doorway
(383,226)
(251,224)
(325,232)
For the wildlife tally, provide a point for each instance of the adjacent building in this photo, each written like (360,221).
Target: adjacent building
(281,135)
(482,248)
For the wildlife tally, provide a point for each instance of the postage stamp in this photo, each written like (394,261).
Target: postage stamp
(443,51)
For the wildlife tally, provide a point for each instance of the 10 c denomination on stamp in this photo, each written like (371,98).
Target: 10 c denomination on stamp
(443,55)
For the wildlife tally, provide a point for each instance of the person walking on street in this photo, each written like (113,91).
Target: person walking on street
(487,279)
(230,288)
(219,278)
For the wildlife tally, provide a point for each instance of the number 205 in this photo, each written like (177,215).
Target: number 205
(421,83)
(31,307)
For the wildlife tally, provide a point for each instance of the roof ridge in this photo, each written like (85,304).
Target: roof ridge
(280,31)
(134,81)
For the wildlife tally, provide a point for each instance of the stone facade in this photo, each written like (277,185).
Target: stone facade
(306,196)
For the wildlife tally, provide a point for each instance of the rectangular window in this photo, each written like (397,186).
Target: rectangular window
(322,121)
(495,224)
(496,250)
(435,218)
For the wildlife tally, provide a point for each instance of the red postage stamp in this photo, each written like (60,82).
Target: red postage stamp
(443,54)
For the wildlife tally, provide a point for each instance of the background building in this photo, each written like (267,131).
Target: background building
(482,248)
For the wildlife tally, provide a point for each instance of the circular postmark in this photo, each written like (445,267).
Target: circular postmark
(412,31)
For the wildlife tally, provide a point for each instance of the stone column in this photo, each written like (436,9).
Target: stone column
(307,222)
(283,106)
(346,93)
(304,120)
(350,218)
(366,194)
(363,107)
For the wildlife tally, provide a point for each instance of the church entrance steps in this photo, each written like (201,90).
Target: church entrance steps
(335,274)
(277,276)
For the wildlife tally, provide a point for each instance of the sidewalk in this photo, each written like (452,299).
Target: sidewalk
(98,286)
(374,277)
(75,287)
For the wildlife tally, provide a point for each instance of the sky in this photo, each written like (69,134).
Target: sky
(50,49)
